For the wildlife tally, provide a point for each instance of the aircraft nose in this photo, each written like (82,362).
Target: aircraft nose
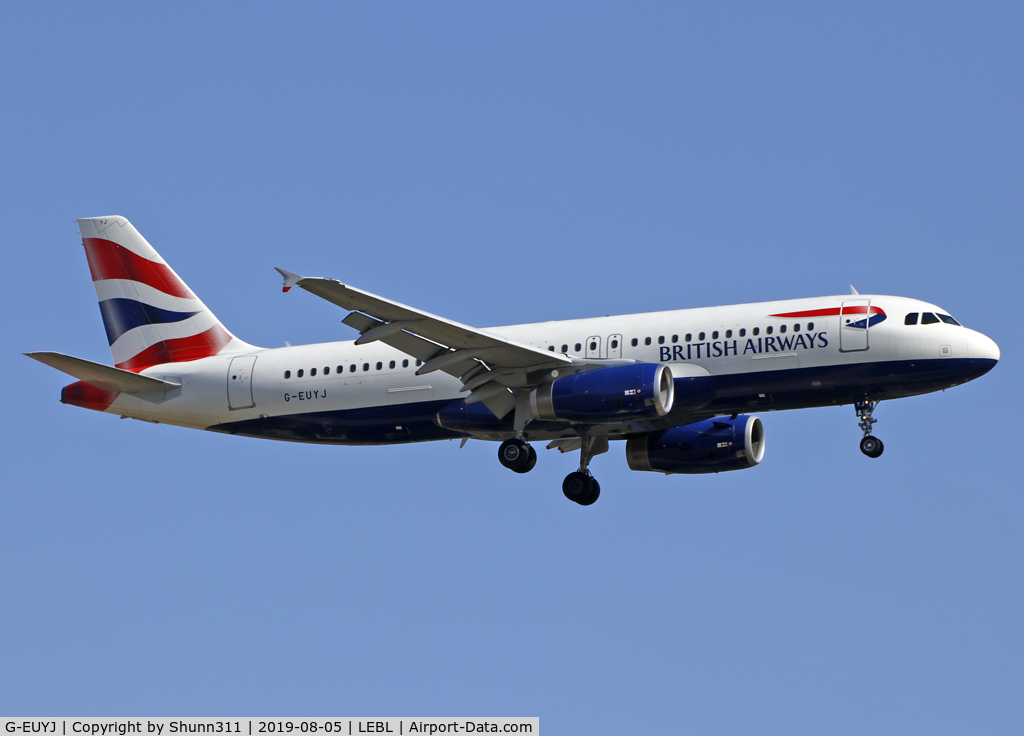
(982,346)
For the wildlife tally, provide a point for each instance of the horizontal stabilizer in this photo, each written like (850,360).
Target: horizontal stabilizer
(101,376)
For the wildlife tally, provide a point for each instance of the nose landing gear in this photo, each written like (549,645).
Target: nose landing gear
(869,445)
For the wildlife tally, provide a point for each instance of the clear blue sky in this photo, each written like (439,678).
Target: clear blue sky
(501,163)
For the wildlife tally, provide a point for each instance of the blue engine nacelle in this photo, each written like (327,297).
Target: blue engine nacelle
(607,394)
(711,446)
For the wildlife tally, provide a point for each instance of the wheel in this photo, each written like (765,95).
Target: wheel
(515,455)
(581,488)
(595,493)
(871,446)
(531,461)
(575,486)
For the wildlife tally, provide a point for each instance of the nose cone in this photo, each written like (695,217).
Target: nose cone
(982,347)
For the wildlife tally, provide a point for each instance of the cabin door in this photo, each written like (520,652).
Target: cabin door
(240,382)
(854,319)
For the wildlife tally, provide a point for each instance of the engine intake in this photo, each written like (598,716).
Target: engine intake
(711,446)
(606,394)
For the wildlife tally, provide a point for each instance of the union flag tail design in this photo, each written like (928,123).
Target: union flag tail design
(150,315)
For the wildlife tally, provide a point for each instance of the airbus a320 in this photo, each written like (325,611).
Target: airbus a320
(677,387)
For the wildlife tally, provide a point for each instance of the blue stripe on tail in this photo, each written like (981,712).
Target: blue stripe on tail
(122,315)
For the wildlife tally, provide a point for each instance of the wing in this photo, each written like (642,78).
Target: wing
(489,365)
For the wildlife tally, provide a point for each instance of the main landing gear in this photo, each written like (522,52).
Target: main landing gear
(869,445)
(581,486)
(516,455)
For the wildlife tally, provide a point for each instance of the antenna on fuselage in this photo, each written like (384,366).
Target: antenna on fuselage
(854,291)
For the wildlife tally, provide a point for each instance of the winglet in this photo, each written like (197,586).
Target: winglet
(290,279)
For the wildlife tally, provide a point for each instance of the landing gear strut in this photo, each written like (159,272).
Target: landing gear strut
(869,445)
(516,455)
(581,486)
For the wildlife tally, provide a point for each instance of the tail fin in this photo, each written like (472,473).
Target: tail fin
(150,315)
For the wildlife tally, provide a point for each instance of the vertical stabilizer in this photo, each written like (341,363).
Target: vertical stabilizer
(150,315)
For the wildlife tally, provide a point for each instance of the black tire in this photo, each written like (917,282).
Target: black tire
(576,486)
(593,495)
(530,462)
(514,455)
(871,446)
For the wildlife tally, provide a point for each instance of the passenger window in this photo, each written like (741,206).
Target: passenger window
(352,368)
(728,334)
(366,366)
(714,335)
(743,332)
(287,374)
(927,318)
(756,330)
(700,336)
(298,373)
(405,363)
(340,369)
(661,339)
(810,326)
(391,364)
(379,365)
(551,348)
(565,348)
(327,370)
(911,319)
(782,329)
(615,344)
(948,320)
(593,345)
(312,372)
(418,362)
(796,327)
(769,329)
(675,338)
(634,342)
(578,347)
(689,336)
(647,341)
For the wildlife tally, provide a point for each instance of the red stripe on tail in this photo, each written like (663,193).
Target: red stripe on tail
(108,260)
(180,350)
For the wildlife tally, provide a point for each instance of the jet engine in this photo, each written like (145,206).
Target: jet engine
(607,394)
(711,446)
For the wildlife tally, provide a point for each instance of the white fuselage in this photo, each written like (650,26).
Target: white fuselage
(743,347)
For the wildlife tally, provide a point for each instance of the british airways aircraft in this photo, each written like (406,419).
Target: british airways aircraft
(674,386)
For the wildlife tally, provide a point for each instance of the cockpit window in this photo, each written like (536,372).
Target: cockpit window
(911,319)
(927,318)
(948,320)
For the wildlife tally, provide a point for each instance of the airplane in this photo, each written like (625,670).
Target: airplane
(677,387)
